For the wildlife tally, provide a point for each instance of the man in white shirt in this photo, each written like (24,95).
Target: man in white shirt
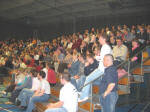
(105,49)
(42,94)
(68,98)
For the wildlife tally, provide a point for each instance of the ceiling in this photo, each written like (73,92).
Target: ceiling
(40,12)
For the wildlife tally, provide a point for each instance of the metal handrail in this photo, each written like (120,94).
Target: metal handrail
(117,66)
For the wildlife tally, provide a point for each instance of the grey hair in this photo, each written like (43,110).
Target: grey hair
(110,56)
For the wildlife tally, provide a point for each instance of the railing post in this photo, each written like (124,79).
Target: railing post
(91,107)
(129,72)
(142,64)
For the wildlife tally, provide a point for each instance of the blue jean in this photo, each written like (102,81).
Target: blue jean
(78,82)
(86,90)
(24,96)
(73,82)
(108,103)
(56,110)
(35,99)
(148,50)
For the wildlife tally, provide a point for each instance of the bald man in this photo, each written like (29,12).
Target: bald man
(108,85)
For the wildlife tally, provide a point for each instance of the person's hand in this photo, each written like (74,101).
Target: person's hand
(105,94)
(49,106)
(86,64)
(69,65)
(76,77)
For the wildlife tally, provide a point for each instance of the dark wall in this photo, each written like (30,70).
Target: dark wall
(51,31)
(54,30)
(13,30)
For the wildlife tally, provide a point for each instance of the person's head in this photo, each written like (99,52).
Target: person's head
(141,29)
(41,75)
(75,56)
(125,31)
(135,43)
(81,57)
(103,39)
(97,50)
(65,78)
(68,51)
(90,58)
(48,65)
(34,73)
(112,40)
(119,42)
(108,60)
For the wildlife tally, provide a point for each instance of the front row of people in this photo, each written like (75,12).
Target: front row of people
(69,97)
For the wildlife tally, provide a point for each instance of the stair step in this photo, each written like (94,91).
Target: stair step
(123,81)
(86,106)
(122,92)
(138,71)
(95,89)
(147,63)
(145,54)
(55,92)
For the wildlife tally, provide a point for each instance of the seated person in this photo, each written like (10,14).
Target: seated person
(68,98)
(42,94)
(90,65)
(135,59)
(73,69)
(25,94)
(80,78)
(27,83)
(119,52)
(67,60)
(51,76)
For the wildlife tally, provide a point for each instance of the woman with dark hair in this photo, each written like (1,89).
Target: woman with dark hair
(135,59)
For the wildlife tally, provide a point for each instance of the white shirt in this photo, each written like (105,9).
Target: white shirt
(70,45)
(106,49)
(69,96)
(45,86)
(35,84)
(36,57)
(46,72)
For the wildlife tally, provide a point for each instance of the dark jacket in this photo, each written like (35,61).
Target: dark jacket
(74,70)
(110,76)
(91,68)
(134,52)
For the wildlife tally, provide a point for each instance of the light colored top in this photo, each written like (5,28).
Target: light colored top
(36,57)
(120,52)
(23,65)
(46,72)
(35,84)
(45,86)
(70,45)
(106,49)
(69,96)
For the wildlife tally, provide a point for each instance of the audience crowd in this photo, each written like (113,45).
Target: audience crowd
(34,63)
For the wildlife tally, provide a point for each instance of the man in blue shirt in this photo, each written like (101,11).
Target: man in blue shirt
(108,85)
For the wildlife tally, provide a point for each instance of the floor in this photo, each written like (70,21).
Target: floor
(136,101)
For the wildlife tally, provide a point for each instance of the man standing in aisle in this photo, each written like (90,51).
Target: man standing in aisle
(105,49)
(108,85)
(68,98)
